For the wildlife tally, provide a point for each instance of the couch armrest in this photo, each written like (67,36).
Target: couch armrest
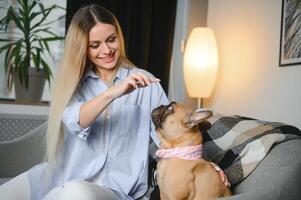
(276,177)
(20,154)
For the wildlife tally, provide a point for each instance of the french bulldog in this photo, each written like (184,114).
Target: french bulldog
(181,172)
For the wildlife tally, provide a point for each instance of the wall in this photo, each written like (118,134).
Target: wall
(250,82)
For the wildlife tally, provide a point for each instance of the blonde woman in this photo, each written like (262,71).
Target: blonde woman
(99,125)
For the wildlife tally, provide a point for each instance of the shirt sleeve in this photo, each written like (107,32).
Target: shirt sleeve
(71,118)
(158,97)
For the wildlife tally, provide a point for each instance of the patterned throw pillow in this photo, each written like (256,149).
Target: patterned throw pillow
(238,144)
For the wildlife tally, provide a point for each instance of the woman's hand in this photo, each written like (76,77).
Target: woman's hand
(221,174)
(132,82)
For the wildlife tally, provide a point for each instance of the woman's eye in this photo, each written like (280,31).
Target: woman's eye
(94,46)
(111,39)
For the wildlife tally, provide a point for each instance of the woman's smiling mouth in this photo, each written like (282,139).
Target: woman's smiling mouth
(108,58)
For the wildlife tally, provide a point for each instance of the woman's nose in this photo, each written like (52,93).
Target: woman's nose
(105,48)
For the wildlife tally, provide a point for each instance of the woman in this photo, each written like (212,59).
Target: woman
(105,103)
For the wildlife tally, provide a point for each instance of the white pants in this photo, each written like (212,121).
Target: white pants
(19,189)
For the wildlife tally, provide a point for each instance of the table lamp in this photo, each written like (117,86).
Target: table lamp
(200,63)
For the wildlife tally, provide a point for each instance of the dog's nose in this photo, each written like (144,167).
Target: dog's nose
(156,115)
(156,110)
(159,114)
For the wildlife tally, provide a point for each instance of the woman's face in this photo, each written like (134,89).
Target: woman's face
(103,46)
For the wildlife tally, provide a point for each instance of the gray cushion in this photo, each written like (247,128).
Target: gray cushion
(16,125)
(18,155)
(276,177)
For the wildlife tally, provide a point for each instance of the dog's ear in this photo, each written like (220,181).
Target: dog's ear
(197,116)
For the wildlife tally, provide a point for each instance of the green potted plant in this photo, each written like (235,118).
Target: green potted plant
(25,37)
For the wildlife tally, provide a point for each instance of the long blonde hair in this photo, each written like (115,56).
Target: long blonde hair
(72,69)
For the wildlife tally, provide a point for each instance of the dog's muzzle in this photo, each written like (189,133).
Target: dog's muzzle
(160,113)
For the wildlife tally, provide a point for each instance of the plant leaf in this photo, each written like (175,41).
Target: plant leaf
(48,72)
(7,46)
(53,38)
(16,19)
(7,59)
(30,42)
(36,59)
(45,13)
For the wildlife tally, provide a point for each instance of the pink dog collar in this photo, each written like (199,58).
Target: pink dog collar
(186,153)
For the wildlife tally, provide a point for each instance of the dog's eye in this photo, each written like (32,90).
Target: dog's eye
(170,108)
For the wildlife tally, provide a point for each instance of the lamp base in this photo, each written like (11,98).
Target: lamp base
(200,103)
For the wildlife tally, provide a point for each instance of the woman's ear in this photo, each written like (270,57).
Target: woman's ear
(196,117)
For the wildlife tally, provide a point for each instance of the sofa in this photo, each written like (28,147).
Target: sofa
(22,143)
(276,177)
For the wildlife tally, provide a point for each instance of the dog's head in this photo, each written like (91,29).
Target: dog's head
(176,122)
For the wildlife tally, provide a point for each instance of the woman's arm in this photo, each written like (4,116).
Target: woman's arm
(90,110)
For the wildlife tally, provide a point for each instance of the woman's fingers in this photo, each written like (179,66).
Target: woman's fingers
(131,83)
(222,175)
(143,80)
(139,79)
(155,80)
(224,178)
(148,80)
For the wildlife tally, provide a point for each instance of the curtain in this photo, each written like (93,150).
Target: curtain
(148,28)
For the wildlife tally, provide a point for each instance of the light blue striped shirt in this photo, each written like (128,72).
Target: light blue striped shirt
(115,147)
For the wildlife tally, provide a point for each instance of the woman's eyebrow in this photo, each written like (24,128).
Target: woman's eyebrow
(98,41)
(110,36)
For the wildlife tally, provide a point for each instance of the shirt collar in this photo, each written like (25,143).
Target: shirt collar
(121,74)
(91,74)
